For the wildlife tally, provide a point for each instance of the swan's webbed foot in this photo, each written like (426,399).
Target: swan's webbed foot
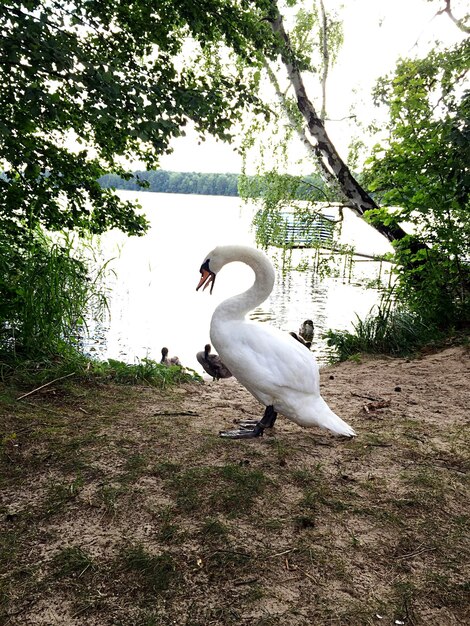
(247,423)
(242,433)
(249,429)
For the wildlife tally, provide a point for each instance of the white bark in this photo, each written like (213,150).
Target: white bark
(357,197)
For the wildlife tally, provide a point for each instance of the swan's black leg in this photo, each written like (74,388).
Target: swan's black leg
(268,420)
(269,417)
(255,430)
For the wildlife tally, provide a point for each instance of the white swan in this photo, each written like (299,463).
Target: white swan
(273,366)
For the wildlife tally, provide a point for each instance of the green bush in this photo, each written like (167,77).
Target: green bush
(46,289)
(387,329)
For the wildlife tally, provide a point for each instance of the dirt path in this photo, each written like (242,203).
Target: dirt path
(121,506)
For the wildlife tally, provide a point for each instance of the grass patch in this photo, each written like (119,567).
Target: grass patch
(230,489)
(213,530)
(166,469)
(154,573)
(280,449)
(446,590)
(168,530)
(145,371)
(72,562)
(241,486)
(10,544)
(61,494)
(284,530)
(134,467)
(226,562)
(25,373)
(385,330)
(109,495)
(426,486)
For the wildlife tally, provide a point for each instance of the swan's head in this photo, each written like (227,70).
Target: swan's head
(222,255)
(212,264)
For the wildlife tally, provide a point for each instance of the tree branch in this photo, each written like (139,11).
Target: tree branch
(311,149)
(332,161)
(459,23)
(325,57)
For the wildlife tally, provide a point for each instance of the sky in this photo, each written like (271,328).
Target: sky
(376,34)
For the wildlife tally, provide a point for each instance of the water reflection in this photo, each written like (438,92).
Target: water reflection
(153,302)
(261,315)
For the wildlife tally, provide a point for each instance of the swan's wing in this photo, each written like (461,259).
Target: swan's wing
(267,358)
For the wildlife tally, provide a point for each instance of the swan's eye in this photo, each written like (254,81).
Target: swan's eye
(205,266)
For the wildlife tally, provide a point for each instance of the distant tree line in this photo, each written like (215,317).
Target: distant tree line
(163,181)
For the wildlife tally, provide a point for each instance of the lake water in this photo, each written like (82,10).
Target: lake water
(152,291)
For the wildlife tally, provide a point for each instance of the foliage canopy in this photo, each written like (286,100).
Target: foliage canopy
(86,87)
(420,173)
(88,84)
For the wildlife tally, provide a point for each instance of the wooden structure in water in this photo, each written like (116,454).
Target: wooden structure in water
(292,230)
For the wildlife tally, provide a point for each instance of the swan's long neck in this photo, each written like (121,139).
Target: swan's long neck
(238,306)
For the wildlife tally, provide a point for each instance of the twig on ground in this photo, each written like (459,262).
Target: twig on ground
(379,445)
(272,556)
(373,398)
(410,555)
(46,385)
(315,580)
(246,581)
(174,413)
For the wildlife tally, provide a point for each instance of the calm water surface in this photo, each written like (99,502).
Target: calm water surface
(152,290)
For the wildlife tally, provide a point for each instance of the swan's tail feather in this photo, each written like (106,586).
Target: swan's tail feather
(325,418)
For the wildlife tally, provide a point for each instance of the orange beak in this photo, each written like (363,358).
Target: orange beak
(207,278)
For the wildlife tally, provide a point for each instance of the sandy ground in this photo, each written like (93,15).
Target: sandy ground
(297,528)
(434,387)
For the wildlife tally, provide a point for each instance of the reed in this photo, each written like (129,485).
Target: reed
(49,285)
(387,329)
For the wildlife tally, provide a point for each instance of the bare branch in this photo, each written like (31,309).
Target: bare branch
(355,193)
(459,23)
(325,57)
(312,150)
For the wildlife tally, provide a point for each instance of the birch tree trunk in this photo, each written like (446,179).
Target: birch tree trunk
(358,199)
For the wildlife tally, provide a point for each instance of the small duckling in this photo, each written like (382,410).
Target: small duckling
(212,364)
(307,344)
(166,360)
(306,331)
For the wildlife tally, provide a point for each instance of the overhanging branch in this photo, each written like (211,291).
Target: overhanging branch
(332,162)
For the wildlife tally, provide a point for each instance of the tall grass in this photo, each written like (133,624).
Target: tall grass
(145,371)
(387,329)
(76,365)
(49,287)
